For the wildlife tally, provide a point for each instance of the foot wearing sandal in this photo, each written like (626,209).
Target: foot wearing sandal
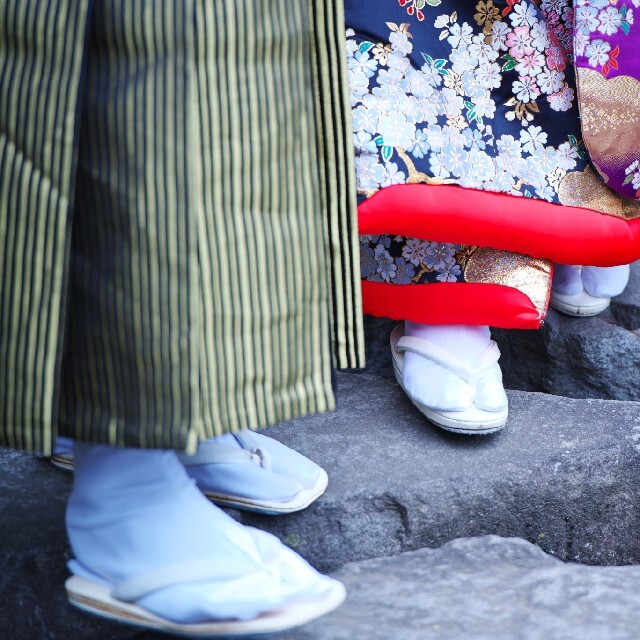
(451,374)
(254,472)
(62,454)
(586,291)
(246,470)
(150,550)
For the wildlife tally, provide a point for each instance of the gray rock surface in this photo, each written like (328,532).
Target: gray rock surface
(563,474)
(486,588)
(625,309)
(575,357)
(377,332)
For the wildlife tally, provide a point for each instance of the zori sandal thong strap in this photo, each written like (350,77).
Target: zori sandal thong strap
(118,604)
(473,420)
(437,354)
(213,453)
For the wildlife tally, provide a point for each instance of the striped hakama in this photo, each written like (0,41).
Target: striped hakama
(178,241)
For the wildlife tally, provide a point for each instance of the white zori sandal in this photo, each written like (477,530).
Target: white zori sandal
(62,456)
(578,305)
(118,604)
(470,418)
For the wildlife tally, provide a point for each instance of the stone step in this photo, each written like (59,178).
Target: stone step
(575,357)
(563,475)
(487,588)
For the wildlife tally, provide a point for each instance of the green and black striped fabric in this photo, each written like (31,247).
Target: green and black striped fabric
(178,240)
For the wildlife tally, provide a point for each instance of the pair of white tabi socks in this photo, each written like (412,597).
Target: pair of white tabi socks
(138,523)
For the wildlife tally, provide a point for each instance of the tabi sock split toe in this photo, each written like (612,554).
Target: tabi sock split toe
(600,282)
(586,291)
(434,386)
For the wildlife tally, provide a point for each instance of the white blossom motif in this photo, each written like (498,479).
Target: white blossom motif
(633,175)
(598,52)
(595,19)
(439,118)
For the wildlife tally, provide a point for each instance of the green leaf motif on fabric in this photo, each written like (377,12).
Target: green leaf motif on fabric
(471,111)
(387,152)
(366,46)
(439,64)
(578,145)
(510,62)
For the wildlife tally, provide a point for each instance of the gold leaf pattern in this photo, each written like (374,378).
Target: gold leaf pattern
(531,276)
(586,189)
(610,116)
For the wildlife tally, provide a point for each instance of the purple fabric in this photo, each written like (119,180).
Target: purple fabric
(607,40)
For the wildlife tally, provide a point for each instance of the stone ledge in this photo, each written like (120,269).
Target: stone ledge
(563,474)
(486,588)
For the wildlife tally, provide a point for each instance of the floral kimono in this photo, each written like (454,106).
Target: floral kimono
(493,138)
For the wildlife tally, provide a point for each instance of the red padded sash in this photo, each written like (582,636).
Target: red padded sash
(447,213)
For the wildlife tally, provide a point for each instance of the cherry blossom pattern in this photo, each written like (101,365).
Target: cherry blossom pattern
(632,173)
(435,123)
(598,24)
(401,260)
(414,7)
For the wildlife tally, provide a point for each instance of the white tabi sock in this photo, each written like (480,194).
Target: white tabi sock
(286,473)
(566,279)
(437,387)
(133,511)
(605,282)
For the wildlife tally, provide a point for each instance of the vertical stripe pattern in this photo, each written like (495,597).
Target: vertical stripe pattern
(206,257)
(131,363)
(335,146)
(41,46)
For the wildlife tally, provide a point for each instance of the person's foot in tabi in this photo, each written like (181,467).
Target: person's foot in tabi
(451,373)
(151,550)
(586,291)
(245,470)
